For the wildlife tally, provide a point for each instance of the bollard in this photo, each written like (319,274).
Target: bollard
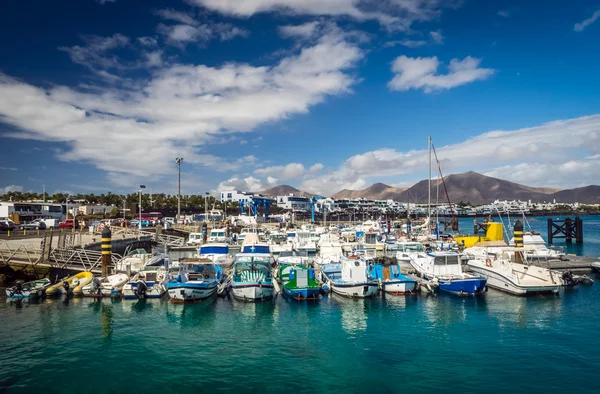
(518,236)
(106,250)
(8,234)
(24,232)
(38,231)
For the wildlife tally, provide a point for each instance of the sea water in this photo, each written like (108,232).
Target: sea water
(493,343)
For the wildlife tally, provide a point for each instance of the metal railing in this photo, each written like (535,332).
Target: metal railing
(23,253)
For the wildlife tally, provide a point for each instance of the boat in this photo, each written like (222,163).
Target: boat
(218,235)
(278,242)
(446,268)
(252,279)
(109,286)
(535,247)
(406,248)
(194,239)
(371,239)
(503,273)
(293,257)
(349,278)
(596,266)
(70,285)
(218,253)
(330,249)
(198,280)
(149,282)
(298,281)
(304,241)
(35,289)
(133,261)
(391,279)
(252,244)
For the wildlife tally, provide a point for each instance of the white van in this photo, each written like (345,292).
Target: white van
(51,223)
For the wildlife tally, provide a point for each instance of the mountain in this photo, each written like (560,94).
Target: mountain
(475,188)
(284,190)
(584,195)
(378,191)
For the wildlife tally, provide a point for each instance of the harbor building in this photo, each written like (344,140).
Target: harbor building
(294,203)
(27,211)
(235,196)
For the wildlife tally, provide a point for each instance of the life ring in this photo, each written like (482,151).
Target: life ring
(371,230)
(101,225)
(488,262)
(160,277)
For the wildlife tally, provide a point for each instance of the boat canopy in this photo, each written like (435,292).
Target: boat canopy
(214,249)
(259,248)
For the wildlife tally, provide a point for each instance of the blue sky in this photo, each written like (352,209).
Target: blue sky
(322,95)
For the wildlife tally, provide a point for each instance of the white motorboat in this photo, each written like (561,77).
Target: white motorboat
(372,239)
(405,249)
(149,282)
(252,277)
(503,273)
(197,281)
(304,241)
(330,249)
(109,286)
(218,235)
(350,278)
(535,247)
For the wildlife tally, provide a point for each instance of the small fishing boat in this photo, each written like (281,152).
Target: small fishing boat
(149,282)
(391,279)
(35,289)
(252,278)
(110,286)
(350,278)
(298,281)
(445,267)
(198,280)
(71,285)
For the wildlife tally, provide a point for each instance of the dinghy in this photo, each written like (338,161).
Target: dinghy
(70,285)
(28,290)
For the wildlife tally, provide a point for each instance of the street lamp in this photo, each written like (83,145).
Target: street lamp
(206,207)
(178,160)
(140,213)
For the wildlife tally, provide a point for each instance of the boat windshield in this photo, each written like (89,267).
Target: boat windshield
(293,253)
(370,238)
(278,238)
(413,247)
(446,260)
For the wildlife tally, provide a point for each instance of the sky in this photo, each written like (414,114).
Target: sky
(323,95)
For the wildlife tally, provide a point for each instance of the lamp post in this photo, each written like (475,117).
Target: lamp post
(140,211)
(206,207)
(178,160)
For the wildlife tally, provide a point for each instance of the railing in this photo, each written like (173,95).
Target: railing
(89,260)
(23,253)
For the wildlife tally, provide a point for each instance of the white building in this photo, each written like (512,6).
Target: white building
(94,209)
(28,211)
(294,203)
(235,196)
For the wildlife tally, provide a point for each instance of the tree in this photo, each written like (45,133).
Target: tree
(114,213)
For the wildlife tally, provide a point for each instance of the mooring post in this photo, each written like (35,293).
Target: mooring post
(568,230)
(518,236)
(550,231)
(106,250)
(578,230)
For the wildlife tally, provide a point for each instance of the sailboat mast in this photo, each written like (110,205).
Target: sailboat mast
(429,182)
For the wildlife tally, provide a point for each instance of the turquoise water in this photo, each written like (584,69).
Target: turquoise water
(398,344)
(494,343)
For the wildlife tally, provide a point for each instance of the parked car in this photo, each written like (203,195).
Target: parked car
(135,223)
(69,223)
(36,224)
(7,225)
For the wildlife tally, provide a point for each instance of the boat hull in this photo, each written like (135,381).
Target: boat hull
(400,287)
(500,282)
(302,294)
(191,292)
(252,291)
(467,286)
(355,290)
(154,290)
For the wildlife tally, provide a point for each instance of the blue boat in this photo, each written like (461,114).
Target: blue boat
(445,269)
(252,278)
(391,279)
(298,281)
(196,281)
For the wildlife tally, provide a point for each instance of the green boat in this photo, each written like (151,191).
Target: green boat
(298,281)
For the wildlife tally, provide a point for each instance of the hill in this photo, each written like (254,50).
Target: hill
(378,191)
(284,190)
(584,195)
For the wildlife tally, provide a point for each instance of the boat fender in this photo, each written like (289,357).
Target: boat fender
(488,262)
(371,230)
(357,263)
(160,277)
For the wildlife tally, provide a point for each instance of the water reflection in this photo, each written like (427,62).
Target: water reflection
(448,309)
(354,315)
(192,315)
(107,320)
(538,310)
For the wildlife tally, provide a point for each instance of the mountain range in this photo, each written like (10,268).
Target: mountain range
(470,187)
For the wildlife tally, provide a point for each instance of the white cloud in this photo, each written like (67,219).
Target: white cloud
(305,30)
(10,188)
(177,16)
(147,41)
(528,155)
(504,13)
(289,171)
(315,168)
(579,27)
(249,184)
(181,35)
(436,36)
(394,14)
(406,43)
(272,181)
(8,169)
(94,52)
(421,73)
(105,1)
(140,130)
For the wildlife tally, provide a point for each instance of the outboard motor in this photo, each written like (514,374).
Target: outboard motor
(96,286)
(141,288)
(568,279)
(66,286)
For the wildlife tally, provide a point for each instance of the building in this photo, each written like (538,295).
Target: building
(235,196)
(27,211)
(94,209)
(294,203)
